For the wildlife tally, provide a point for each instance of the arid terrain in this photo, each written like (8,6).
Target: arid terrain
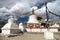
(29,36)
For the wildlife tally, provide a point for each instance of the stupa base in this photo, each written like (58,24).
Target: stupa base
(41,30)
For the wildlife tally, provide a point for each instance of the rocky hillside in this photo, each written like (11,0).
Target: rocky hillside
(2,23)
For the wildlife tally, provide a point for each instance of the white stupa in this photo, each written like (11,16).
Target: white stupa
(21,27)
(54,30)
(48,35)
(11,27)
(32,18)
(33,24)
(55,25)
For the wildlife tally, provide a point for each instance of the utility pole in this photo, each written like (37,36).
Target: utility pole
(46,12)
(47,16)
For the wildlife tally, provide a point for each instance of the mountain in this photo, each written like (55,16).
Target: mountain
(22,19)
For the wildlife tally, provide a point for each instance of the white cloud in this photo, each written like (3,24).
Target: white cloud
(52,7)
(24,8)
(3,9)
(20,8)
(35,8)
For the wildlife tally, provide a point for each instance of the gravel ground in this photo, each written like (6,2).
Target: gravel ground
(28,36)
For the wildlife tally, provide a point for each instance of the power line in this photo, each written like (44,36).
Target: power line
(53,13)
(47,10)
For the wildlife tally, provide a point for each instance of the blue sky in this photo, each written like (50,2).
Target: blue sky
(22,8)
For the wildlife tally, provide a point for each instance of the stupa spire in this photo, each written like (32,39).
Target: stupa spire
(33,12)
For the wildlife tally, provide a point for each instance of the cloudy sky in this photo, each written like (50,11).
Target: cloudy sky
(21,8)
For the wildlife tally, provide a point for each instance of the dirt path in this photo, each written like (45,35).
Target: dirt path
(29,36)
